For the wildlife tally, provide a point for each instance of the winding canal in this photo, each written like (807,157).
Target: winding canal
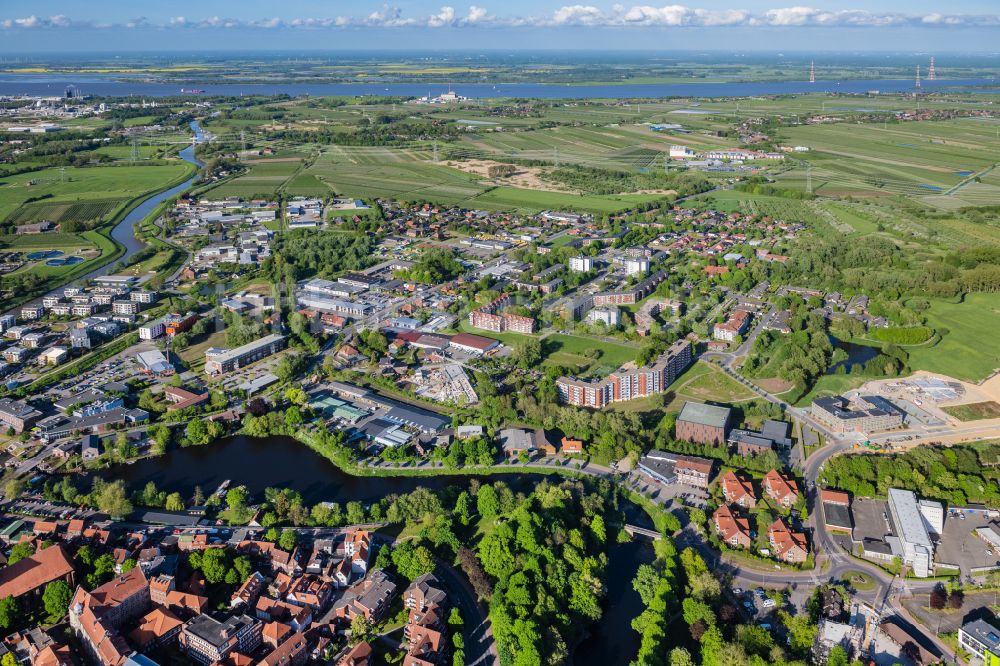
(124,231)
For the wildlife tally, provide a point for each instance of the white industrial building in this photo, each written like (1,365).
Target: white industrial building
(914,521)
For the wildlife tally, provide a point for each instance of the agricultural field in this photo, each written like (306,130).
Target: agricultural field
(533,201)
(264,178)
(77,193)
(404,180)
(976,411)
(932,160)
(49,241)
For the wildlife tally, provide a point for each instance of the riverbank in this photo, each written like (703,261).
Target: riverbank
(14,84)
(120,231)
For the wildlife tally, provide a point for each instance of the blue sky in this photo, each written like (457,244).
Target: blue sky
(127,25)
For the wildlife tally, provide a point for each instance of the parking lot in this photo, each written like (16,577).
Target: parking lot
(664,493)
(961,546)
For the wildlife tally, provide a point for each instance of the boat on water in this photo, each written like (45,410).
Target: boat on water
(192,91)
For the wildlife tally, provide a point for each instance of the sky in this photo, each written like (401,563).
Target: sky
(51,26)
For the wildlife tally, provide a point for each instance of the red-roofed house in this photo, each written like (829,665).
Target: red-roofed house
(359,655)
(25,580)
(788,546)
(733,530)
(738,490)
(571,446)
(158,627)
(781,489)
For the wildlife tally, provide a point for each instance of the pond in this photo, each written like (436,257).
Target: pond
(856,354)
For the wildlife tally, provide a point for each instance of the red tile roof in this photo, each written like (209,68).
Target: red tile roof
(153,627)
(34,572)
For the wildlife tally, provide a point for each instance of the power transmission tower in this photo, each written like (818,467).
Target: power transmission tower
(243,141)
(556,156)
(135,149)
(809,178)
(435,151)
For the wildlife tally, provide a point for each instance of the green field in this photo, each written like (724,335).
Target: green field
(532,201)
(934,161)
(570,351)
(704,382)
(264,178)
(81,191)
(49,241)
(970,349)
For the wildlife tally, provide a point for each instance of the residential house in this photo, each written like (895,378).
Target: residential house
(732,529)
(783,490)
(738,490)
(787,546)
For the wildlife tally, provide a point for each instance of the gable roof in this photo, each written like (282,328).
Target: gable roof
(779,486)
(729,524)
(735,488)
(784,539)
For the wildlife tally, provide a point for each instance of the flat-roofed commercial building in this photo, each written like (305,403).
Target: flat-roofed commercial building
(18,414)
(152,329)
(865,414)
(981,639)
(703,423)
(219,361)
(912,530)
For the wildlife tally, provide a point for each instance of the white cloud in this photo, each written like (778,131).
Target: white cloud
(445,17)
(477,15)
(789,16)
(579,15)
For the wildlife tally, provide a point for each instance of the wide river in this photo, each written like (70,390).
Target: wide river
(53,85)
(283,462)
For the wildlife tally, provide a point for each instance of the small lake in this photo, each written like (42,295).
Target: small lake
(856,354)
(278,462)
